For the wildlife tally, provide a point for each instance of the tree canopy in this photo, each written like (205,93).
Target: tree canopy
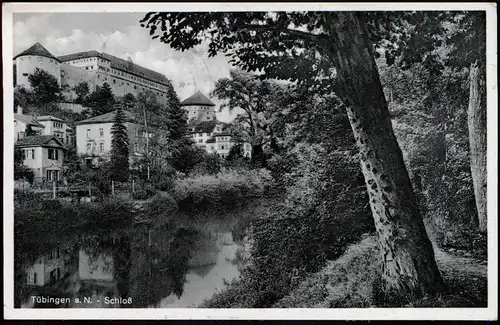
(45,87)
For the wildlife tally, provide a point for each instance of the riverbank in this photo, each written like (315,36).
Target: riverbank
(177,237)
(351,282)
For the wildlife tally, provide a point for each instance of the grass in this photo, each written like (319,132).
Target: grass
(352,281)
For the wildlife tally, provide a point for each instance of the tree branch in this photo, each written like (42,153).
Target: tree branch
(304,35)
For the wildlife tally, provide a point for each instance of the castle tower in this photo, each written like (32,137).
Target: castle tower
(199,108)
(36,56)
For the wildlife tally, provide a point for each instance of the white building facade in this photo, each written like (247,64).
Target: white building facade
(207,132)
(94,137)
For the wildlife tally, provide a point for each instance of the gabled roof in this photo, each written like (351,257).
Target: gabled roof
(120,64)
(37,49)
(107,118)
(197,99)
(48,118)
(40,141)
(28,120)
(221,134)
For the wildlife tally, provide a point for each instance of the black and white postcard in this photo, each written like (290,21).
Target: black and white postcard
(250,161)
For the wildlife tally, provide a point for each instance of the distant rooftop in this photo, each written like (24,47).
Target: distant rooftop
(48,118)
(39,141)
(119,64)
(39,50)
(107,118)
(197,99)
(28,120)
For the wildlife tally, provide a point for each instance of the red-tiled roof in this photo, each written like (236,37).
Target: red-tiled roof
(39,141)
(120,64)
(107,118)
(197,99)
(37,49)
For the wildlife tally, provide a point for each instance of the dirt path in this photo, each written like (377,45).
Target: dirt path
(449,263)
(466,277)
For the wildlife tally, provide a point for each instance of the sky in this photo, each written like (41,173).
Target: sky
(120,34)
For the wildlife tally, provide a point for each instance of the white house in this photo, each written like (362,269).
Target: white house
(44,155)
(207,132)
(25,125)
(94,137)
(56,127)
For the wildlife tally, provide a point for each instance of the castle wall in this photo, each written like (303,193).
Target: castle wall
(200,113)
(122,83)
(27,64)
(72,76)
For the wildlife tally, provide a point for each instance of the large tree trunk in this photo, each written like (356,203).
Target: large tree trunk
(476,120)
(409,266)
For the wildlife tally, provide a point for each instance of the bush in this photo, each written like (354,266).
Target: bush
(165,183)
(324,210)
(224,190)
(144,193)
(161,208)
(39,225)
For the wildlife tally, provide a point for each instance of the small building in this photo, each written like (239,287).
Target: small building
(56,127)
(26,125)
(94,137)
(44,155)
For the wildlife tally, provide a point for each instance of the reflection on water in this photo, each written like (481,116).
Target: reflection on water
(172,266)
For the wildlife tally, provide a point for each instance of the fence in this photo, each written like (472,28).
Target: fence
(61,189)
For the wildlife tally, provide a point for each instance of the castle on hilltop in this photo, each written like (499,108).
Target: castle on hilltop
(93,67)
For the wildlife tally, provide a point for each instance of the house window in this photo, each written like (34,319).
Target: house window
(29,154)
(101,146)
(136,132)
(88,133)
(52,175)
(54,253)
(200,141)
(53,154)
(89,145)
(222,147)
(101,132)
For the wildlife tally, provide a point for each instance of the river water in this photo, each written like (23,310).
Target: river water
(178,265)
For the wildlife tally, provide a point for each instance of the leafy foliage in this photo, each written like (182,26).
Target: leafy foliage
(81,90)
(101,100)
(45,87)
